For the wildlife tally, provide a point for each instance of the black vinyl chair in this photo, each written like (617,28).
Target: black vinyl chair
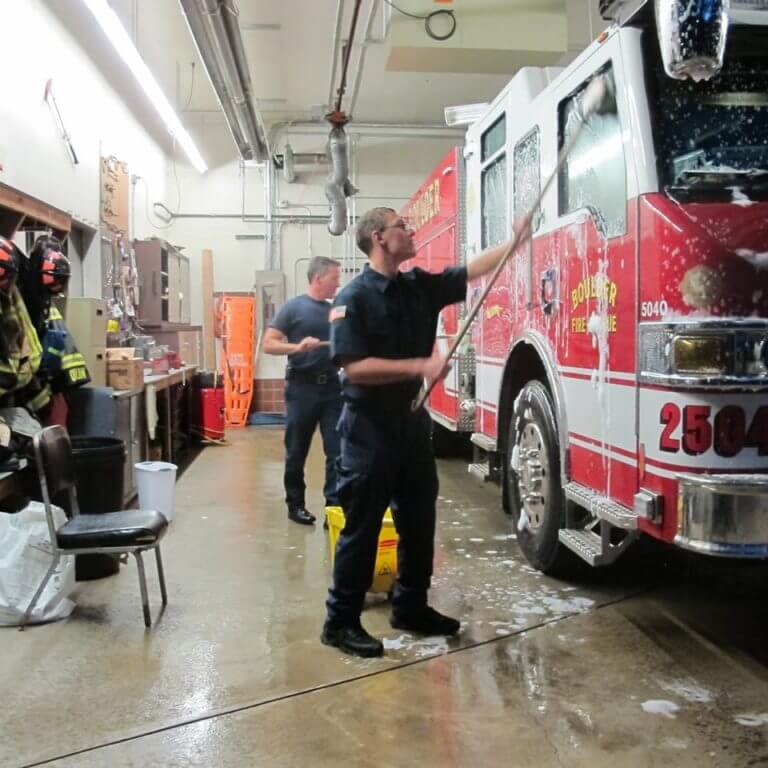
(131,531)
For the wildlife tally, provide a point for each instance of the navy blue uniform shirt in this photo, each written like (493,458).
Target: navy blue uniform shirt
(304,316)
(375,316)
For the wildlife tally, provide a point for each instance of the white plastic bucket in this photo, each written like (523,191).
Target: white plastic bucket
(156,481)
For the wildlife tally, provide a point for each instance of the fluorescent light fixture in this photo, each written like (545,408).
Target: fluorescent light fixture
(115,31)
(464,114)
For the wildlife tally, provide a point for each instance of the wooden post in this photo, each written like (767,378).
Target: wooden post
(209,319)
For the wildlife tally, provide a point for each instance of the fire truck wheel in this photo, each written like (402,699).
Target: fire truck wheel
(532,477)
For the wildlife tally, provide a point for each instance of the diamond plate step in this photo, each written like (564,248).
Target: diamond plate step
(602,507)
(483,442)
(585,544)
(480,470)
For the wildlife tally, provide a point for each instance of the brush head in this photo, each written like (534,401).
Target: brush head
(596,96)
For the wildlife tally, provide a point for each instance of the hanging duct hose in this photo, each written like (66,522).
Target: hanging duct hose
(338,187)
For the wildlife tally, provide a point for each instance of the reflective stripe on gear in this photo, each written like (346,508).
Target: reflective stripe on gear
(20,349)
(63,365)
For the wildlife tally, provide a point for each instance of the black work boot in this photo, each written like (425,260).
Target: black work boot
(300,515)
(351,639)
(424,621)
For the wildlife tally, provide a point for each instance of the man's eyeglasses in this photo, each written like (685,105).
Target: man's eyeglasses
(398,225)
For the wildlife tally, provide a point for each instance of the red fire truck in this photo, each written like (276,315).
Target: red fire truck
(622,356)
(438,215)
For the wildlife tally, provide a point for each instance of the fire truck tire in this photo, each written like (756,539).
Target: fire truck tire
(532,480)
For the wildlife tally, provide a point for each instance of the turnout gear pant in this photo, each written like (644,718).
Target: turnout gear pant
(386,460)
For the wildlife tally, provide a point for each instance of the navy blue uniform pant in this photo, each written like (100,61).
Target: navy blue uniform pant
(386,458)
(307,405)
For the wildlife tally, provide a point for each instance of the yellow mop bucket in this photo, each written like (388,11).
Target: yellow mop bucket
(385,570)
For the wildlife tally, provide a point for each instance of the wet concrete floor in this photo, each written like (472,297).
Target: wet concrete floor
(663,660)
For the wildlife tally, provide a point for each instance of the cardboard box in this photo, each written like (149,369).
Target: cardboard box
(121,353)
(125,374)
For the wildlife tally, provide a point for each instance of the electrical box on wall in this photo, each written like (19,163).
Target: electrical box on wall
(269,287)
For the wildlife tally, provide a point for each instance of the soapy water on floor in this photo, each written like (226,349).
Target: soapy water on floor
(418,647)
(751,720)
(661,707)
(689,691)
(508,599)
(501,591)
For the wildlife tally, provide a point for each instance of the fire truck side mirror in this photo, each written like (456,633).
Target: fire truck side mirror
(692,37)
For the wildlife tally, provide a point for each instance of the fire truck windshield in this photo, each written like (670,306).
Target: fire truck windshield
(712,136)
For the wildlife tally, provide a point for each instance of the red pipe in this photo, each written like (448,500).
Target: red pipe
(347,53)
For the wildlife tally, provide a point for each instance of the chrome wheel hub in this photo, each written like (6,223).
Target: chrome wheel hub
(532,470)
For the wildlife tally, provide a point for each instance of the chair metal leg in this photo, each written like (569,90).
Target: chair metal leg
(143,587)
(36,596)
(161,575)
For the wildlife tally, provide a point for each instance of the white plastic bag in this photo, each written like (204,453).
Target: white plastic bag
(25,557)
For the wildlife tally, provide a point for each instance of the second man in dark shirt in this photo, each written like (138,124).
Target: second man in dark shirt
(301,330)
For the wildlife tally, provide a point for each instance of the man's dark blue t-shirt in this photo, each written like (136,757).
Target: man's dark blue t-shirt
(301,317)
(375,316)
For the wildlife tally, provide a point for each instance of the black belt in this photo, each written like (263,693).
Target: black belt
(313,377)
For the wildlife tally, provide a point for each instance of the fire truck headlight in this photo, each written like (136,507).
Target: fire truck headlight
(707,354)
(704,353)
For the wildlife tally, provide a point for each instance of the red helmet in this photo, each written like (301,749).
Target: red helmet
(54,271)
(9,265)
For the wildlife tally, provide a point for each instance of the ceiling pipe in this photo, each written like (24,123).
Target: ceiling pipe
(381,130)
(205,50)
(214,28)
(304,158)
(254,115)
(289,171)
(338,186)
(347,54)
(335,49)
(367,40)
(258,218)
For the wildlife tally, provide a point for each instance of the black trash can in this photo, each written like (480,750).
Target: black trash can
(99,465)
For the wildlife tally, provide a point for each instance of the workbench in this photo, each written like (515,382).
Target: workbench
(164,383)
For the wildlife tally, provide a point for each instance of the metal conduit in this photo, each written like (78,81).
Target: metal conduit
(214,28)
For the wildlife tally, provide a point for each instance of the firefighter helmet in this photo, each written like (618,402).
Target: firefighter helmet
(55,271)
(51,265)
(9,265)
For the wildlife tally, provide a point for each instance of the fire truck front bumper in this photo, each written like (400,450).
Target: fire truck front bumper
(723,515)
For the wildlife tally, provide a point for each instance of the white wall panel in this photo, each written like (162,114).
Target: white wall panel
(37,47)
